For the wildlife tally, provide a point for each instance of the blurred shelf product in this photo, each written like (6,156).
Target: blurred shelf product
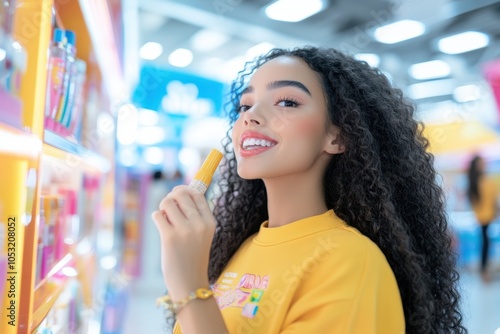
(56,163)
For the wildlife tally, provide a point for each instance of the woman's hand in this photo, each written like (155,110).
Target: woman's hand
(186,227)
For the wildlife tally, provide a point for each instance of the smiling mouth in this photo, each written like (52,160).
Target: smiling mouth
(256,143)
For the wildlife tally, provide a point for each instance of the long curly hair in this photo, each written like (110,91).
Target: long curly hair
(474,174)
(384,185)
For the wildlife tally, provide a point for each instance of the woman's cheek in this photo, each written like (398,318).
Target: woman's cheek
(306,127)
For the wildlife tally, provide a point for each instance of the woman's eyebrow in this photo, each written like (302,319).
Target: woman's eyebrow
(279,84)
(286,83)
(247,90)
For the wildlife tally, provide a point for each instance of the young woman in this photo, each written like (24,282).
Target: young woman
(330,219)
(482,194)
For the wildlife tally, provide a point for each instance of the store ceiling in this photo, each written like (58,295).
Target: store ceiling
(345,24)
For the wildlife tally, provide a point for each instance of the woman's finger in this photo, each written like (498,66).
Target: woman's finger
(161,222)
(200,203)
(172,207)
(187,203)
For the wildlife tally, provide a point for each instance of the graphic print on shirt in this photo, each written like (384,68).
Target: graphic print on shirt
(246,294)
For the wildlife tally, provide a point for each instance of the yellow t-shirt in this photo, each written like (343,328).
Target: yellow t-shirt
(485,210)
(315,275)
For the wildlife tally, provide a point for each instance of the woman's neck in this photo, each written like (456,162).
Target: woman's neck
(291,198)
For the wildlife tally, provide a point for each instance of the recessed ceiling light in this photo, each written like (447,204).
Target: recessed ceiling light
(399,31)
(180,58)
(294,10)
(463,42)
(429,70)
(208,40)
(371,58)
(467,93)
(433,88)
(150,51)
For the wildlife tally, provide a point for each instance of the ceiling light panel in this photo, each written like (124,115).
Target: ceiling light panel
(467,93)
(463,42)
(399,31)
(150,51)
(431,89)
(180,58)
(430,70)
(294,10)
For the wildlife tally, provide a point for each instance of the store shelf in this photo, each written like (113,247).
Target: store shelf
(59,147)
(62,166)
(45,298)
(18,143)
(49,288)
(91,21)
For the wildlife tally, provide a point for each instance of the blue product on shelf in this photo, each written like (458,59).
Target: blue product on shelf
(68,89)
(55,78)
(76,103)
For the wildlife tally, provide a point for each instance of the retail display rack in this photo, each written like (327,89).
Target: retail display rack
(56,170)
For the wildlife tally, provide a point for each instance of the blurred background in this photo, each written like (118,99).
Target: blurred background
(140,103)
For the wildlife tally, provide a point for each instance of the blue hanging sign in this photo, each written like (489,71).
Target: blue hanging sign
(178,93)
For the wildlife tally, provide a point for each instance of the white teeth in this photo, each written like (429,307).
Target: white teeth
(256,142)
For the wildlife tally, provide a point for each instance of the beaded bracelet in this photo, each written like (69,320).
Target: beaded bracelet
(175,307)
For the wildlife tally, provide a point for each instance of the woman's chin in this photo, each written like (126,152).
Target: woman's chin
(247,175)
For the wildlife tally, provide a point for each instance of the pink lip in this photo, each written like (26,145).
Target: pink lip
(256,135)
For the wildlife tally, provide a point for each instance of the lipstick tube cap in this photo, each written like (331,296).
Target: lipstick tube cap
(208,168)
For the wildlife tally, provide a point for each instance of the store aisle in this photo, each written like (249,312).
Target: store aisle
(142,314)
(481,302)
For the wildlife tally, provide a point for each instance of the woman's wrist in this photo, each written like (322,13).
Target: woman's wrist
(182,290)
(175,306)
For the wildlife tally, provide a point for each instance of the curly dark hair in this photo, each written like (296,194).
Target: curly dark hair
(384,185)
(474,174)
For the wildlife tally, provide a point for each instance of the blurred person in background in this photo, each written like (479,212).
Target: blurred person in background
(482,194)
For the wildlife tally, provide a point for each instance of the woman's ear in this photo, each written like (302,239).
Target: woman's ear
(334,144)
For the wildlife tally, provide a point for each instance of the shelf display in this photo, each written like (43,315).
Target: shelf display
(57,189)
(12,66)
(65,85)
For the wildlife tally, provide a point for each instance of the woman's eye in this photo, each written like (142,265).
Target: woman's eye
(287,103)
(243,108)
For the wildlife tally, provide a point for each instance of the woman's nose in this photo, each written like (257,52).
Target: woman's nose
(250,120)
(253,115)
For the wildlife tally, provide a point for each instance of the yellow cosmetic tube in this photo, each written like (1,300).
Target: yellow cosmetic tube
(202,179)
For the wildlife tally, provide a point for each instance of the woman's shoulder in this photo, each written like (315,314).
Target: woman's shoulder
(341,242)
(343,256)
(349,240)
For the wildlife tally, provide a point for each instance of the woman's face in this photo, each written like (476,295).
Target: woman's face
(283,128)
